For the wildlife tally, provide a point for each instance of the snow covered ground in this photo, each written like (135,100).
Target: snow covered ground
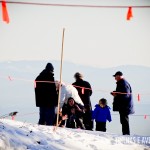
(16,135)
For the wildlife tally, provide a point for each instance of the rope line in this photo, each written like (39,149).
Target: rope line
(74,5)
(98,90)
(34,113)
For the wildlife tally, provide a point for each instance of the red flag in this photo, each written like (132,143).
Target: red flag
(145,116)
(138,97)
(12,117)
(129,13)
(82,90)
(9,78)
(34,84)
(4,12)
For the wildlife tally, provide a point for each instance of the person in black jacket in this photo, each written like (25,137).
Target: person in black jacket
(74,113)
(84,91)
(46,95)
(123,101)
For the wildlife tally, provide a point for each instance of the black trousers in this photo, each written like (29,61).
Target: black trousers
(101,126)
(124,120)
(47,115)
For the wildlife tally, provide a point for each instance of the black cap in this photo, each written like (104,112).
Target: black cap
(118,73)
(49,67)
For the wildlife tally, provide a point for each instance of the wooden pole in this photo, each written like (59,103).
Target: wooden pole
(62,49)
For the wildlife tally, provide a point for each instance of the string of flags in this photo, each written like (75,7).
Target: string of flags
(5,15)
(82,88)
(14,114)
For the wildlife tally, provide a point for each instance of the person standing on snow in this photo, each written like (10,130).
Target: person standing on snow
(46,95)
(101,114)
(123,101)
(84,91)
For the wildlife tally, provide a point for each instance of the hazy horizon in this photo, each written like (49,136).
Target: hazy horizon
(75,63)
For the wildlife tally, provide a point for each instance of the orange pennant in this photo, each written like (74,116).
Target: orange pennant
(9,78)
(13,118)
(138,97)
(129,14)
(4,12)
(82,90)
(145,116)
(34,84)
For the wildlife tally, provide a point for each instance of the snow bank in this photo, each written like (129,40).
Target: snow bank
(16,135)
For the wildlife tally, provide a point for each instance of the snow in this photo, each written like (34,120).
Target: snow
(15,135)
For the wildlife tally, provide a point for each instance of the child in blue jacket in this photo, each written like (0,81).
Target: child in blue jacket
(101,114)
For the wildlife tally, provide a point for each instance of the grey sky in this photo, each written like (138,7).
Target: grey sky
(100,37)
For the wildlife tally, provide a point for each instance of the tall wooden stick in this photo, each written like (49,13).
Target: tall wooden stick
(62,49)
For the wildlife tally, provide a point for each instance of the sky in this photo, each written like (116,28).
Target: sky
(98,37)
(22,136)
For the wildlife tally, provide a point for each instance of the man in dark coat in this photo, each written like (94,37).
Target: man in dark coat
(123,101)
(84,91)
(46,95)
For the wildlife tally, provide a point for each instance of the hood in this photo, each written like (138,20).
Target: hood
(49,67)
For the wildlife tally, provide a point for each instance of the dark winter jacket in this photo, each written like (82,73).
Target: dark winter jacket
(123,102)
(45,93)
(84,95)
(74,120)
(101,114)
(66,109)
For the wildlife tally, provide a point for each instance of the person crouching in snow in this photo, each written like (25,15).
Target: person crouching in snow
(101,114)
(74,112)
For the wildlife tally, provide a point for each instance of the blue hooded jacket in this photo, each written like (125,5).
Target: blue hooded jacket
(101,114)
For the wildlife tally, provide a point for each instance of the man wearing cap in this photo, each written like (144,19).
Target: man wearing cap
(46,95)
(123,101)
(84,91)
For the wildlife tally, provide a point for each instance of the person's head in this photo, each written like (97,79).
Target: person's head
(49,67)
(71,101)
(103,102)
(118,75)
(78,75)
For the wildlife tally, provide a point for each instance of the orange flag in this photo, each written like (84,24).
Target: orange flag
(82,90)
(129,13)
(34,84)
(4,12)
(138,97)
(13,118)
(145,116)
(9,78)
